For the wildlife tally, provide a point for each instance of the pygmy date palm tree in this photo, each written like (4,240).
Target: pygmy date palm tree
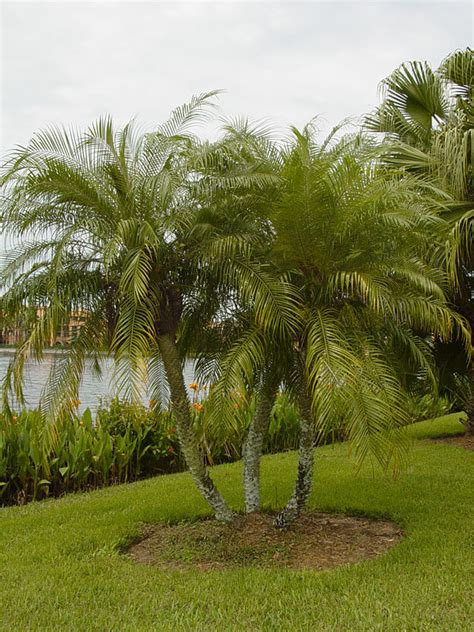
(129,229)
(353,239)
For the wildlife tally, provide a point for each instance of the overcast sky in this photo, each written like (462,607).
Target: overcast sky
(69,62)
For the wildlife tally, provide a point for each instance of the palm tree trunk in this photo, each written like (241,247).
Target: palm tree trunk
(304,477)
(470,403)
(253,444)
(184,428)
(469,314)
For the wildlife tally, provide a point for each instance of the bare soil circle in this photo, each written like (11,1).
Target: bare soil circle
(316,541)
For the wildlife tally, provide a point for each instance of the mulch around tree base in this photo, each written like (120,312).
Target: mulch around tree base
(316,541)
(463,441)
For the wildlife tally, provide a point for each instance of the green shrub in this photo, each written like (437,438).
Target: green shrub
(123,442)
(428,407)
(283,431)
(224,444)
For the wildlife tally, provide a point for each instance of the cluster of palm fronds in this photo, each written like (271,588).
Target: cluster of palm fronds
(427,122)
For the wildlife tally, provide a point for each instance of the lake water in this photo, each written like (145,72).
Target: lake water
(92,387)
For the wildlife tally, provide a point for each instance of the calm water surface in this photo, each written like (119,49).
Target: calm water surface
(92,387)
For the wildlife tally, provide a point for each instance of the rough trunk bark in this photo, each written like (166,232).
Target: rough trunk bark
(304,477)
(470,403)
(253,444)
(184,428)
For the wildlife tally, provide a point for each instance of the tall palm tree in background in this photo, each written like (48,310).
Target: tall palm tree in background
(427,118)
(353,238)
(131,230)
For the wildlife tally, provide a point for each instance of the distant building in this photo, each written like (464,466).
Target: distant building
(11,336)
(64,335)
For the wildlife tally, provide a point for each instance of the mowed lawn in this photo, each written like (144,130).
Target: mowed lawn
(61,569)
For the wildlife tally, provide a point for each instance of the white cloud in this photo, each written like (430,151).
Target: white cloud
(69,62)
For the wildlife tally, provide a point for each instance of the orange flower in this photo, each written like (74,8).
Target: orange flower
(194,386)
(170,450)
(198,407)
(14,418)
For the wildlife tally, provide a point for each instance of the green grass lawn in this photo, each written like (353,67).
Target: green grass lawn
(60,567)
